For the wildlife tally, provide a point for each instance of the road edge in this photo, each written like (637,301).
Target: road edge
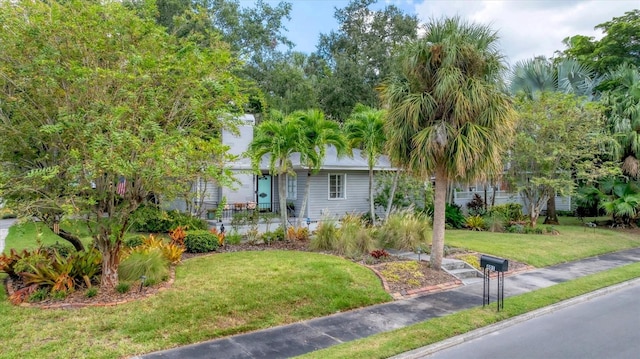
(462,338)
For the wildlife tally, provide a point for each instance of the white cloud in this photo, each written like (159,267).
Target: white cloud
(530,28)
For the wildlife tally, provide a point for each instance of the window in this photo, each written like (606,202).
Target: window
(337,186)
(292,187)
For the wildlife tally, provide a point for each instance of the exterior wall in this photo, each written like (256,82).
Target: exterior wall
(357,194)
(502,197)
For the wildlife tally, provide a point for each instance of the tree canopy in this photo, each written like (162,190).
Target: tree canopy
(99,108)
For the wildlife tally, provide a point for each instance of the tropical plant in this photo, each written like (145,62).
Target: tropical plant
(325,237)
(278,137)
(149,263)
(475,223)
(447,112)
(318,133)
(365,130)
(623,203)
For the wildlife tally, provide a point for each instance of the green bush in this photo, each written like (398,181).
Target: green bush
(475,223)
(29,263)
(511,212)
(151,219)
(233,238)
(123,287)
(405,230)
(495,222)
(133,240)
(325,237)
(91,292)
(150,263)
(200,241)
(275,235)
(63,249)
(39,295)
(353,238)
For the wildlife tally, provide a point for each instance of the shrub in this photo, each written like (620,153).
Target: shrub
(299,233)
(39,295)
(325,237)
(123,287)
(200,241)
(475,223)
(379,253)
(454,216)
(495,222)
(404,230)
(220,236)
(353,238)
(150,218)
(150,263)
(476,206)
(178,235)
(29,263)
(172,252)
(133,241)
(177,218)
(275,235)
(56,274)
(91,292)
(86,266)
(511,212)
(64,249)
(233,238)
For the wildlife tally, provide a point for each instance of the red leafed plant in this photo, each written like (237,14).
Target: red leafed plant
(178,235)
(379,253)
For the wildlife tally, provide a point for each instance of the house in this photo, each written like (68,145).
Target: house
(341,186)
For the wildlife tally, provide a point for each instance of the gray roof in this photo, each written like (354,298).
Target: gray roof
(354,162)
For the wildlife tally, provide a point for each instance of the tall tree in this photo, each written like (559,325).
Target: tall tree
(620,44)
(365,130)
(448,111)
(278,138)
(532,78)
(622,104)
(361,54)
(559,141)
(318,133)
(101,108)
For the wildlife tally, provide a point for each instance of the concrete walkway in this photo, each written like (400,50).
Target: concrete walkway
(303,337)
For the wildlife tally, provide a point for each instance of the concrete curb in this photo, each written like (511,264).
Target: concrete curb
(474,334)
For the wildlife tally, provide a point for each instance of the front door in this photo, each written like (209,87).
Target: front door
(264,193)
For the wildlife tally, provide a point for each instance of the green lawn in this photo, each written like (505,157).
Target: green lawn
(541,250)
(30,235)
(395,342)
(212,296)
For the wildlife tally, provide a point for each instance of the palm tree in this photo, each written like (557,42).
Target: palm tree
(365,130)
(536,76)
(317,133)
(623,110)
(447,111)
(278,137)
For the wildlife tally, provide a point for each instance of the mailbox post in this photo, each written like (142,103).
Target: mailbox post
(493,264)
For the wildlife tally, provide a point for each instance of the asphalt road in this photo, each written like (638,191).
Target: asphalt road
(604,327)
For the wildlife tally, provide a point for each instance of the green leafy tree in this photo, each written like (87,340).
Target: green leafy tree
(365,130)
(560,139)
(622,104)
(100,108)
(318,133)
(620,44)
(360,54)
(278,138)
(447,111)
(532,78)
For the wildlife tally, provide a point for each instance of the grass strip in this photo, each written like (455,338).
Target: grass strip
(395,342)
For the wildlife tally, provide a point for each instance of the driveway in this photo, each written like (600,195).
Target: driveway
(4,230)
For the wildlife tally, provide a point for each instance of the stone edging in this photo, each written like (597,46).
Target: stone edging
(163,287)
(416,292)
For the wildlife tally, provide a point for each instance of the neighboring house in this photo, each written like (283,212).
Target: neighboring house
(340,187)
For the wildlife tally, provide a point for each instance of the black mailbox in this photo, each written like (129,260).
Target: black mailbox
(494,263)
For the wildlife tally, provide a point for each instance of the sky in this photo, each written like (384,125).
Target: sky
(527,28)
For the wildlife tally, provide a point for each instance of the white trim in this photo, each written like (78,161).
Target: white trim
(292,180)
(344,186)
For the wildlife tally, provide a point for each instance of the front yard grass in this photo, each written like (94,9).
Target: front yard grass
(213,296)
(395,342)
(541,250)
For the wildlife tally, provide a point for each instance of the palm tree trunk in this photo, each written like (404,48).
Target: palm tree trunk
(303,208)
(439,204)
(282,193)
(396,178)
(371,204)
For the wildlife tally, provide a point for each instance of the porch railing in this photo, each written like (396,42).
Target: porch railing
(231,209)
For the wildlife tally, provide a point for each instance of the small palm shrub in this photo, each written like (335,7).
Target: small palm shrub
(201,241)
(475,223)
(325,237)
(405,230)
(511,212)
(150,263)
